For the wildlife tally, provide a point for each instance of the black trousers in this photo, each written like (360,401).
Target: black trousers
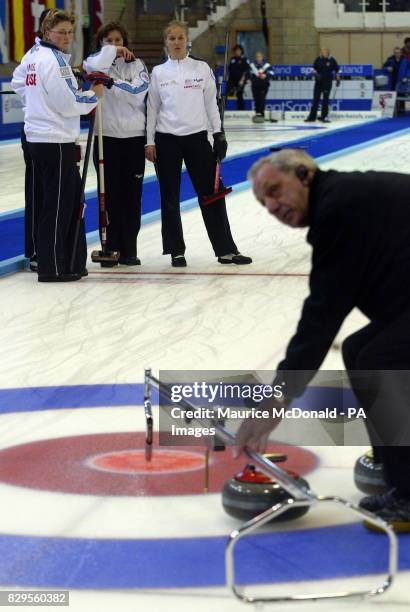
(233,87)
(322,87)
(33,200)
(259,92)
(55,164)
(124,166)
(196,151)
(377,360)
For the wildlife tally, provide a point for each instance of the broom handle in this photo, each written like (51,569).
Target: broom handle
(100,148)
(103,213)
(217,176)
(223,89)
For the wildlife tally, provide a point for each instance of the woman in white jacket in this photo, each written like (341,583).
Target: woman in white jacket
(53,105)
(181,104)
(123,138)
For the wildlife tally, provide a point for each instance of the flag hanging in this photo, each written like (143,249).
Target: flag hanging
(265,28)
(97,15)
(75,7)
(24,16)
(54,4)
(4,54)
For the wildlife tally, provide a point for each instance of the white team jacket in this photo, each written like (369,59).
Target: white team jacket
(53,104)
(124,104)
(19,75)
(182,99)
(257,70)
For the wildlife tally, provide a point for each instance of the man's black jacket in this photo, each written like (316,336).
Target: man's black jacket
(325,67)
(359,228)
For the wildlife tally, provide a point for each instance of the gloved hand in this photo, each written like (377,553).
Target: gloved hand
(220,146)
(100,78)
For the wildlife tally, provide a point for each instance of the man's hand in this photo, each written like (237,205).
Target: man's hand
(255,432)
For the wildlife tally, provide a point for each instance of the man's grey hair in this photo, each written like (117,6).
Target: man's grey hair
(286,160)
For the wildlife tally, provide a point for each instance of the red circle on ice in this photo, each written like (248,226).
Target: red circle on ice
(163,461)
(67,465)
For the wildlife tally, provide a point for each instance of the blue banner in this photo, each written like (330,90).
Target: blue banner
(356,70)
(304,105)
(4,56)
(303,71)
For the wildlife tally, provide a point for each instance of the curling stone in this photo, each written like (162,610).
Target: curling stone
(251,492)
(368,475)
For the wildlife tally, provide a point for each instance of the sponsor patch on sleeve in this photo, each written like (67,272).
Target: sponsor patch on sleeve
(65,72)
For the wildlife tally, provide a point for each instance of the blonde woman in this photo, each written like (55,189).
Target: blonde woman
(181,103)
(53,106)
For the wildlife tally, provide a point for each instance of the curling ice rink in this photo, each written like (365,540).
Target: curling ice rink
(73,357)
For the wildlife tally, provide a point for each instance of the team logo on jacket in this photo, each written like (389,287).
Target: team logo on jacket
(166,83)
(144,76)
(192,83)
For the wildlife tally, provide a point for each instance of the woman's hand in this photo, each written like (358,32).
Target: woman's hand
(125,53)
(98,90)
(151,153)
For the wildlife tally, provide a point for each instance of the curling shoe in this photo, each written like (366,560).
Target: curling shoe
(129,261)
(235,258)
(390,507)
(178,261)
(60,278)
(33,265)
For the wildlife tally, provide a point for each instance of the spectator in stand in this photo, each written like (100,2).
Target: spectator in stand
(406,49)
(392,65)
(403,77)
(261,73)
(238,73)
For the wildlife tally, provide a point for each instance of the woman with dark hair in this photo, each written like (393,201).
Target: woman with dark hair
(238,74)
(53,105)
(181,103)
(123,127)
